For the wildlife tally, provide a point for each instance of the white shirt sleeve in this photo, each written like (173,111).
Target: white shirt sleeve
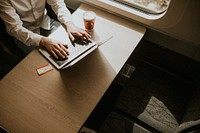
(26,29)
(14,25)
(60,9)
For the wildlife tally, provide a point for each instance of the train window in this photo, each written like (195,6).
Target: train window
(148,6)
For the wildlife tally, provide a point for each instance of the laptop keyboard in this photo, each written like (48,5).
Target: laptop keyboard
(74,50)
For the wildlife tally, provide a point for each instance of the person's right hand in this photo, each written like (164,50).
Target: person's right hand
(56,48)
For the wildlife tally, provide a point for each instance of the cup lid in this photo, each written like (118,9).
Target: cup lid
(89,15)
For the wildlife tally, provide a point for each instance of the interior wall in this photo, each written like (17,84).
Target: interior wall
(181,21)
(182,47)
(179,29)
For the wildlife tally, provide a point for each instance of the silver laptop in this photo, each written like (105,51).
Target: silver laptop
(77,50)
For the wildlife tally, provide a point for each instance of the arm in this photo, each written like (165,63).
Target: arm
(56,48)
(65,17)
(14,25)
(15,28)
(59,8)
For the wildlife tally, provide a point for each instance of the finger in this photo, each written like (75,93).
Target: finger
(60,53)
(78,34)
(71,36)
(88,35)
(65,45)
(54,54)
(64,48)
(85,34)
(85,39)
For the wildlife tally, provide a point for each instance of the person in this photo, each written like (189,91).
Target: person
(24,20)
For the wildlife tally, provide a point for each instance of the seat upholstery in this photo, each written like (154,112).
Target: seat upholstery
(116,123)
(160,99)
(191,117)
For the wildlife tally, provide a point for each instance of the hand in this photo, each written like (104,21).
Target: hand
(57,49)
(73,31)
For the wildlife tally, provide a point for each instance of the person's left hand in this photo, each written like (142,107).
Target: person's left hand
(74,31)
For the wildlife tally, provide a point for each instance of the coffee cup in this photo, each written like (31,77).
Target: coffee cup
(89,20)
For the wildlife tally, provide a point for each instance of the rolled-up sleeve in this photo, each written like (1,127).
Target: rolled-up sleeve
(60,9)
(14,25)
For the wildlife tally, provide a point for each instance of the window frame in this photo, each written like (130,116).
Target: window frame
(124,10)
(144,8)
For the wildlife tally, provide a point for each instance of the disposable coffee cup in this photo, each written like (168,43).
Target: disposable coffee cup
(89,20)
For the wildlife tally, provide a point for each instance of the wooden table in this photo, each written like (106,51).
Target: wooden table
(61,101)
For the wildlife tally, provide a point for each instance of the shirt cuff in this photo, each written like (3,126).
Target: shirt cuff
(37,39)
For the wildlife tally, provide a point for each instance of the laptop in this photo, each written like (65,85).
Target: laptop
(77,50)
